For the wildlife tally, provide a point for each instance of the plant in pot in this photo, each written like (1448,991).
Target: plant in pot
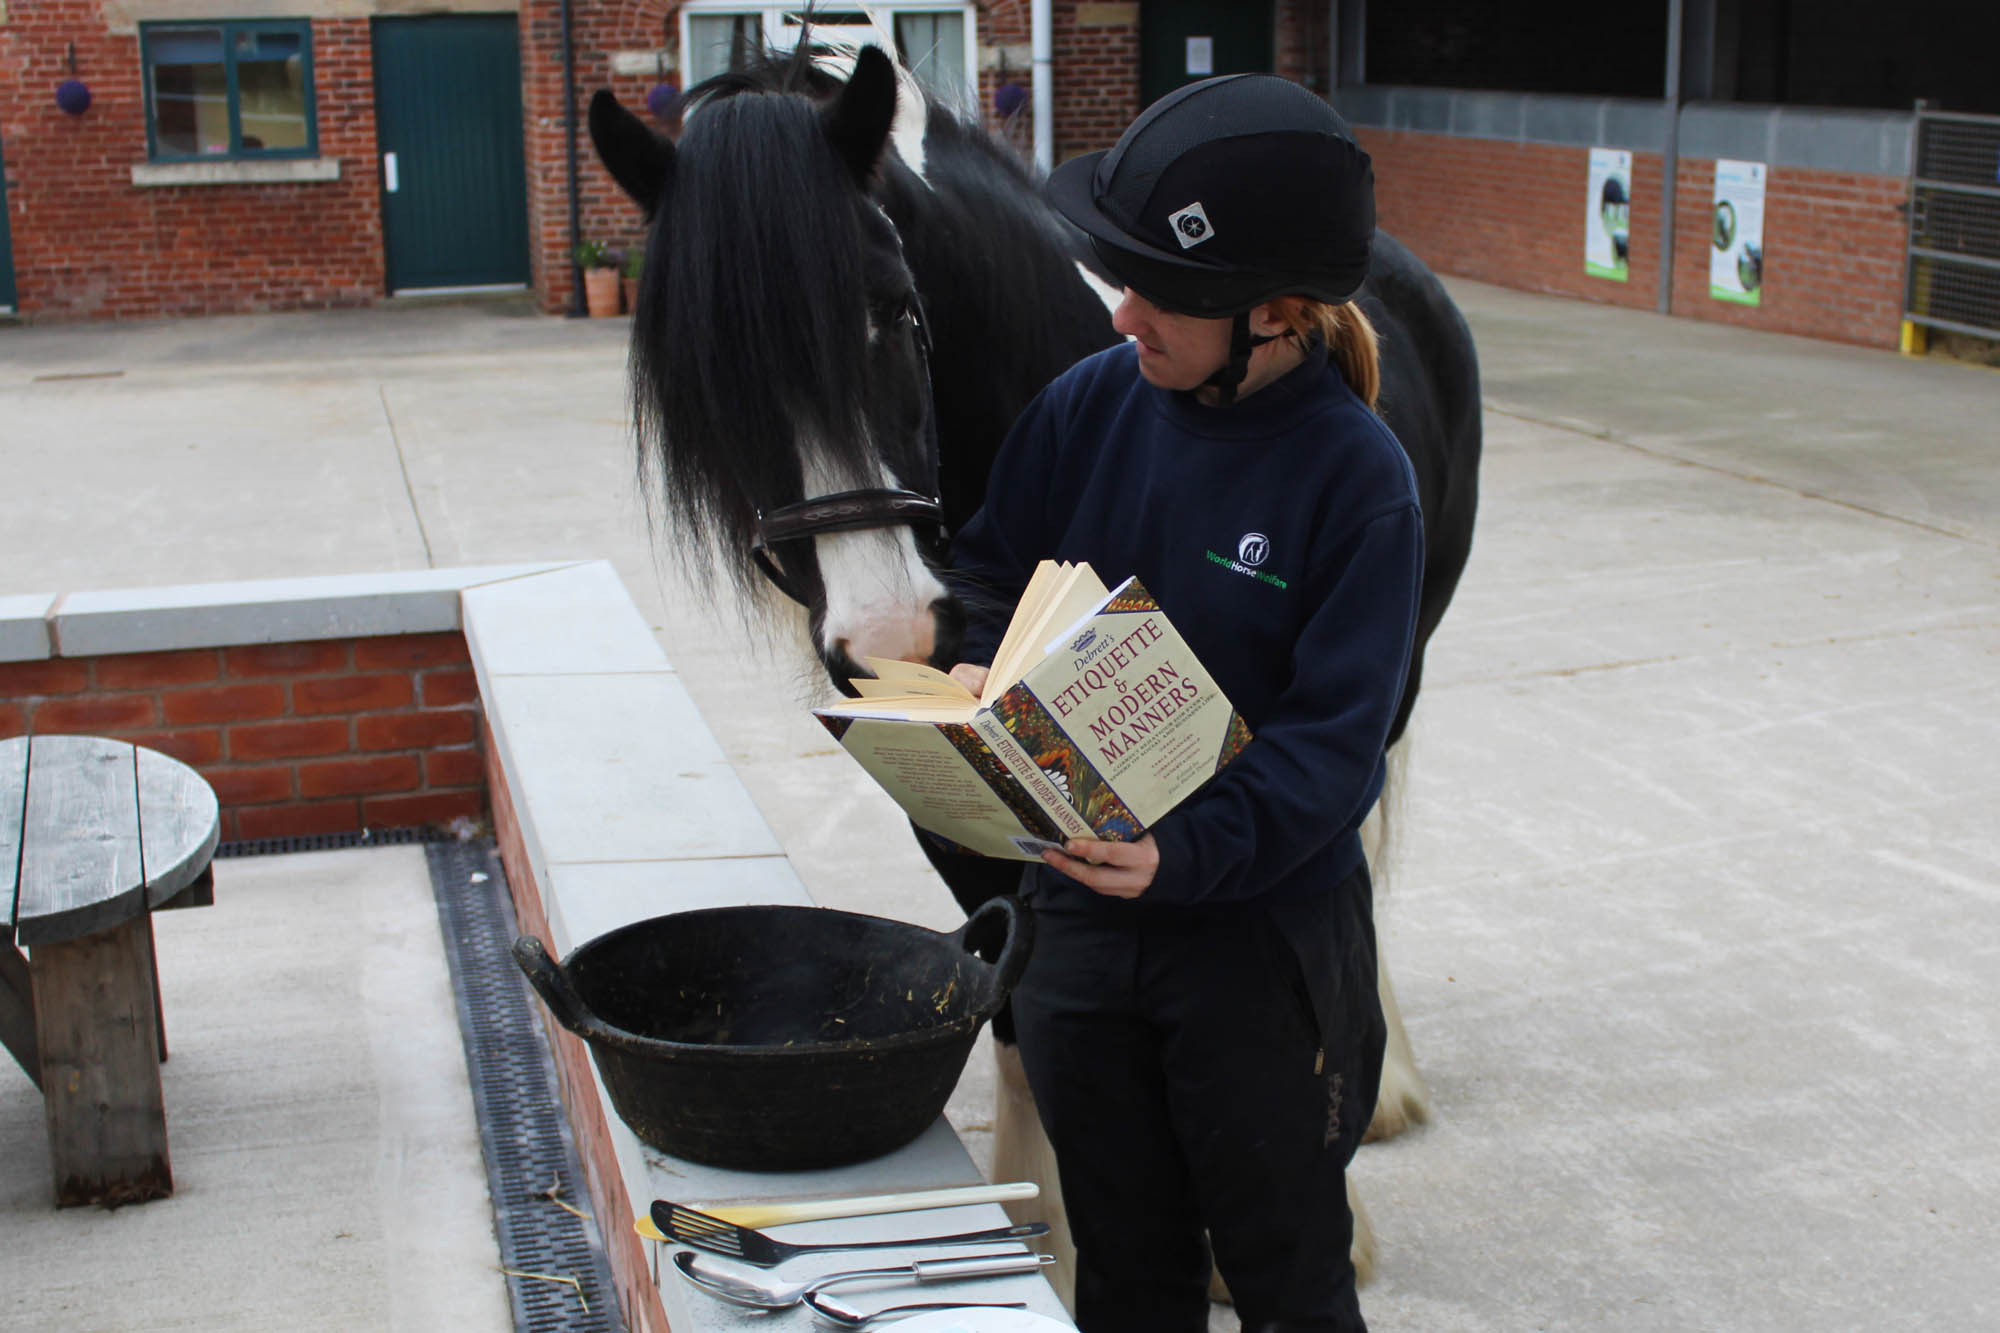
(600,278)
(628,276)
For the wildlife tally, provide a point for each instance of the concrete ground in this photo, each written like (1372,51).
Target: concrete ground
(1696,912)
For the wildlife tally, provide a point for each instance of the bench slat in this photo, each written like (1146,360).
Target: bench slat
(179,824)
(73,885)
(13,795)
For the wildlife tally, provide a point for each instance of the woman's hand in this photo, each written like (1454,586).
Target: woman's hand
(1114,869)
(970,676)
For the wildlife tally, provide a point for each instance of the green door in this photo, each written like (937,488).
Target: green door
(454,183)
(1184,40)
(6,241)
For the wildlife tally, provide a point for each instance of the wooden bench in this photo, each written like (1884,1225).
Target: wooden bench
(94,836)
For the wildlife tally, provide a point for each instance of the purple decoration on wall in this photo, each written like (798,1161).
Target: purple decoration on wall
(1008,98)
(663,100)
(73,96)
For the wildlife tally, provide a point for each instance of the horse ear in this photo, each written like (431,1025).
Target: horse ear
(639,160)
(857,121)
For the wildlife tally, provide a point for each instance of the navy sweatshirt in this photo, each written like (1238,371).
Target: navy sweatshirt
(1282,536)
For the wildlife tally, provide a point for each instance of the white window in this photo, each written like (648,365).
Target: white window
(937,41)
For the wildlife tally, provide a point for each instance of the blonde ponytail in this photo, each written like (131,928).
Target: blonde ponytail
(1350,339)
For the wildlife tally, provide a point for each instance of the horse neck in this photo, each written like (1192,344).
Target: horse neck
(1006,317)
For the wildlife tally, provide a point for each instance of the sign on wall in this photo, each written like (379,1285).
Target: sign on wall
(1736,233)
(1607,225)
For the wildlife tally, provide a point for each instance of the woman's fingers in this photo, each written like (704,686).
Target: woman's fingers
(1116,869)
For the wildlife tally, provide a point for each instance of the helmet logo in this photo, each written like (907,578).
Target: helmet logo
(1191,225)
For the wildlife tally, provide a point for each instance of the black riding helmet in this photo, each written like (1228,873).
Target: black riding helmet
(1226,193)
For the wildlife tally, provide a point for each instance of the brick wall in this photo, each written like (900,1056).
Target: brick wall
(1513,214)
(1096,75)
(328,736)
(637,1294)
(88,244)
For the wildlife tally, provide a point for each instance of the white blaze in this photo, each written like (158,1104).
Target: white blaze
(879,592)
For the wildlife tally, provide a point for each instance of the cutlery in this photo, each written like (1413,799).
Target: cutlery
(834,1312)
(704,1231)
(746,1287)
(814,1210)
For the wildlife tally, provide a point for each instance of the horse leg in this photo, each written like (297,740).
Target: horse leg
(1403,1099)
(1021,1151)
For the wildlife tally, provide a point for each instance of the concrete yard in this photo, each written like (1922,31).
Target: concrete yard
(1694,913)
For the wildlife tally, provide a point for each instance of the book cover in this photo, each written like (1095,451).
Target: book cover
(1092,725)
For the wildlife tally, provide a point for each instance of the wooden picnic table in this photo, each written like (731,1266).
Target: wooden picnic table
(94,836)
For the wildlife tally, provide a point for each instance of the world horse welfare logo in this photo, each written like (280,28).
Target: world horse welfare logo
(1191,225)
(1252,550)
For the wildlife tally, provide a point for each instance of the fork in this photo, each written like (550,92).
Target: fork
(691,1226)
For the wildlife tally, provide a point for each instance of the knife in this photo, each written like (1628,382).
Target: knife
(863,1205)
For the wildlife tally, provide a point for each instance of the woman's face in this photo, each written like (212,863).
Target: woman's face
(1175,351)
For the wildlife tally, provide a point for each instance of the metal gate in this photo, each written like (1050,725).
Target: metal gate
(1954,263)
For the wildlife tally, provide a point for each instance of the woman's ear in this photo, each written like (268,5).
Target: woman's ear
(1267,320)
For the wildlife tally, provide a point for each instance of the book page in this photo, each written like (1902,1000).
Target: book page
(894,669)
(1079,594)
(1033,597)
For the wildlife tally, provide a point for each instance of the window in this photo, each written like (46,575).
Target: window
(229,90)
(934,40)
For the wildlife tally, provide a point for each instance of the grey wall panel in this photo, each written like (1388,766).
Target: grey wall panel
(1870,142)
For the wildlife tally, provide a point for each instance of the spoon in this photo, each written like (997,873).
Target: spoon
(759,1291)
(836,1312)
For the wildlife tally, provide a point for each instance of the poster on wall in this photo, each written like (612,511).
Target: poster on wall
(1736,234)
(1607,224)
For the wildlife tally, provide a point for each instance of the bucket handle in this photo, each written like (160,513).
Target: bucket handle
(1019,927)
(552,984)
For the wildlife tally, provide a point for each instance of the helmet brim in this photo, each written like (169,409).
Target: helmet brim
(1071,188)
(1178,283)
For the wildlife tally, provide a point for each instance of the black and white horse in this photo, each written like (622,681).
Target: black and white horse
(848,296)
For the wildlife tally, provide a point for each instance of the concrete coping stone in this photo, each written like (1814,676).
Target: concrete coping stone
(218,615)
(24,626)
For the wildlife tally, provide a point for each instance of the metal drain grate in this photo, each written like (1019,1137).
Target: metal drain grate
(531,1160)
(331,842)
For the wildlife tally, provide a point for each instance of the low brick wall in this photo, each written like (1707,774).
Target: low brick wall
(325,736)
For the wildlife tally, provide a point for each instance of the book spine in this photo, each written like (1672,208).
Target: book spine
(1029,774)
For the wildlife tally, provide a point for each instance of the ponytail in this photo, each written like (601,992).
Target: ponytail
(1349,337)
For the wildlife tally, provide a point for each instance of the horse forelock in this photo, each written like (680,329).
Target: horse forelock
(750,339)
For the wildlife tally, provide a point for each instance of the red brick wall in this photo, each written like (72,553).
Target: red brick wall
(1096,81)
(587,1114)
(1513,214)
(88,244)
(328,736)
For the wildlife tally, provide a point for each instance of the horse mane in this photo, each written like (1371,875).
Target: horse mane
(755,175)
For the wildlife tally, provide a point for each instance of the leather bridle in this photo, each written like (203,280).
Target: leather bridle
(874,507)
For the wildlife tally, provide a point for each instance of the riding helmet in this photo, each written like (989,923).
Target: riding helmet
(1226,193)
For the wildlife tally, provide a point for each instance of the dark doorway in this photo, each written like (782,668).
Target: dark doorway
(454,180)
(1181,41)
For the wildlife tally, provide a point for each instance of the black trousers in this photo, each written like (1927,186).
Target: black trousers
(1206,1069)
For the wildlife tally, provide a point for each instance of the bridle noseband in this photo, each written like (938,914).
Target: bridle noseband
(875,507)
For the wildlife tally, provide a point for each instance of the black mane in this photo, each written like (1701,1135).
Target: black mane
(768,310)
(766,302)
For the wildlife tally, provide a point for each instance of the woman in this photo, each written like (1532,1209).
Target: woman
(1199,1021)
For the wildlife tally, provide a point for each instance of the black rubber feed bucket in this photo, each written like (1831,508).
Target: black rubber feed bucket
(782,1038)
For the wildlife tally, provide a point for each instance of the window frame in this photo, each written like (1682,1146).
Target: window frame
(881,14)
(231,29)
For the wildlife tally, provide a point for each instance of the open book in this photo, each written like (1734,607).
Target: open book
(1095,721)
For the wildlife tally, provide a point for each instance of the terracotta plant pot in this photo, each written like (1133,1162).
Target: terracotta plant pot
(600,292)
(630,286)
